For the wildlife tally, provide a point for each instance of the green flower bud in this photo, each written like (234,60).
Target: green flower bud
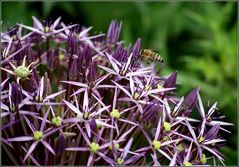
(37,135)
(94,147)
(38,98)
(159,86)
(98,126)
(116,146)
(187,164)
(165,138)
(115,114)
(167,126)
(14,37)
(56,121)
(61,57)
(156,144)
(203,159)
(136,95)
(12,107)
(180,147)
(86,115)
(147,88)
(120,161)
(201,139)
(21,71)
(47,29)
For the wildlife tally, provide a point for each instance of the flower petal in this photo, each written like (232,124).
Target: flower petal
(73,108)
(31,149)
(37,23)
(107,159)
(165,154)
(22,138)
(31,157)
(122,88)
(53,95)
(56,22)
(44,120)
(201,108)
(173,160)
(76,83)
(77,149)
(84,32)
(31,29)
(127,147)
(158,130)
(107,69)
(48,147)
(78,91)
(86,101)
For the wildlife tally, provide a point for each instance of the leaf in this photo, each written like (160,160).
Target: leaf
(48,7)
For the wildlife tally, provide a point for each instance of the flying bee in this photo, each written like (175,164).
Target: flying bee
(148,54)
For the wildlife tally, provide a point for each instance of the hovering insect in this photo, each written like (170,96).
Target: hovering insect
(148,54)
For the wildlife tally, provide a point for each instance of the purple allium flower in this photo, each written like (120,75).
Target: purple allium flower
(45,30)
(21,71)
(91,100)
(28,50)
(37,136)
(113,33)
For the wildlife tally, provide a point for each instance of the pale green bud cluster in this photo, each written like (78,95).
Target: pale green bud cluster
(115,114)
(167,126)
(120,161)
(21,71)
(156,144)
(37,135)
(187,164)
(94,147)
(116,146)
(56,121)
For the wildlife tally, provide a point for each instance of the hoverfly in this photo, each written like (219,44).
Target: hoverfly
(148,54)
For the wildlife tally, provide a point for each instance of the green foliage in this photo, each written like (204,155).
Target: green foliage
(215,61)
(197,39)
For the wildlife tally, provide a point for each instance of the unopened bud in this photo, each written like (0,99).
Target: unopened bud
(115,114)
(37,135)
(94,147)
(156,144)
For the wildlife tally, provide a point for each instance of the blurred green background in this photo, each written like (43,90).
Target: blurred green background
(198,39)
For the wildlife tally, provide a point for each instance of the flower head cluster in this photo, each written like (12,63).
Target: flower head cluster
(68,98)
